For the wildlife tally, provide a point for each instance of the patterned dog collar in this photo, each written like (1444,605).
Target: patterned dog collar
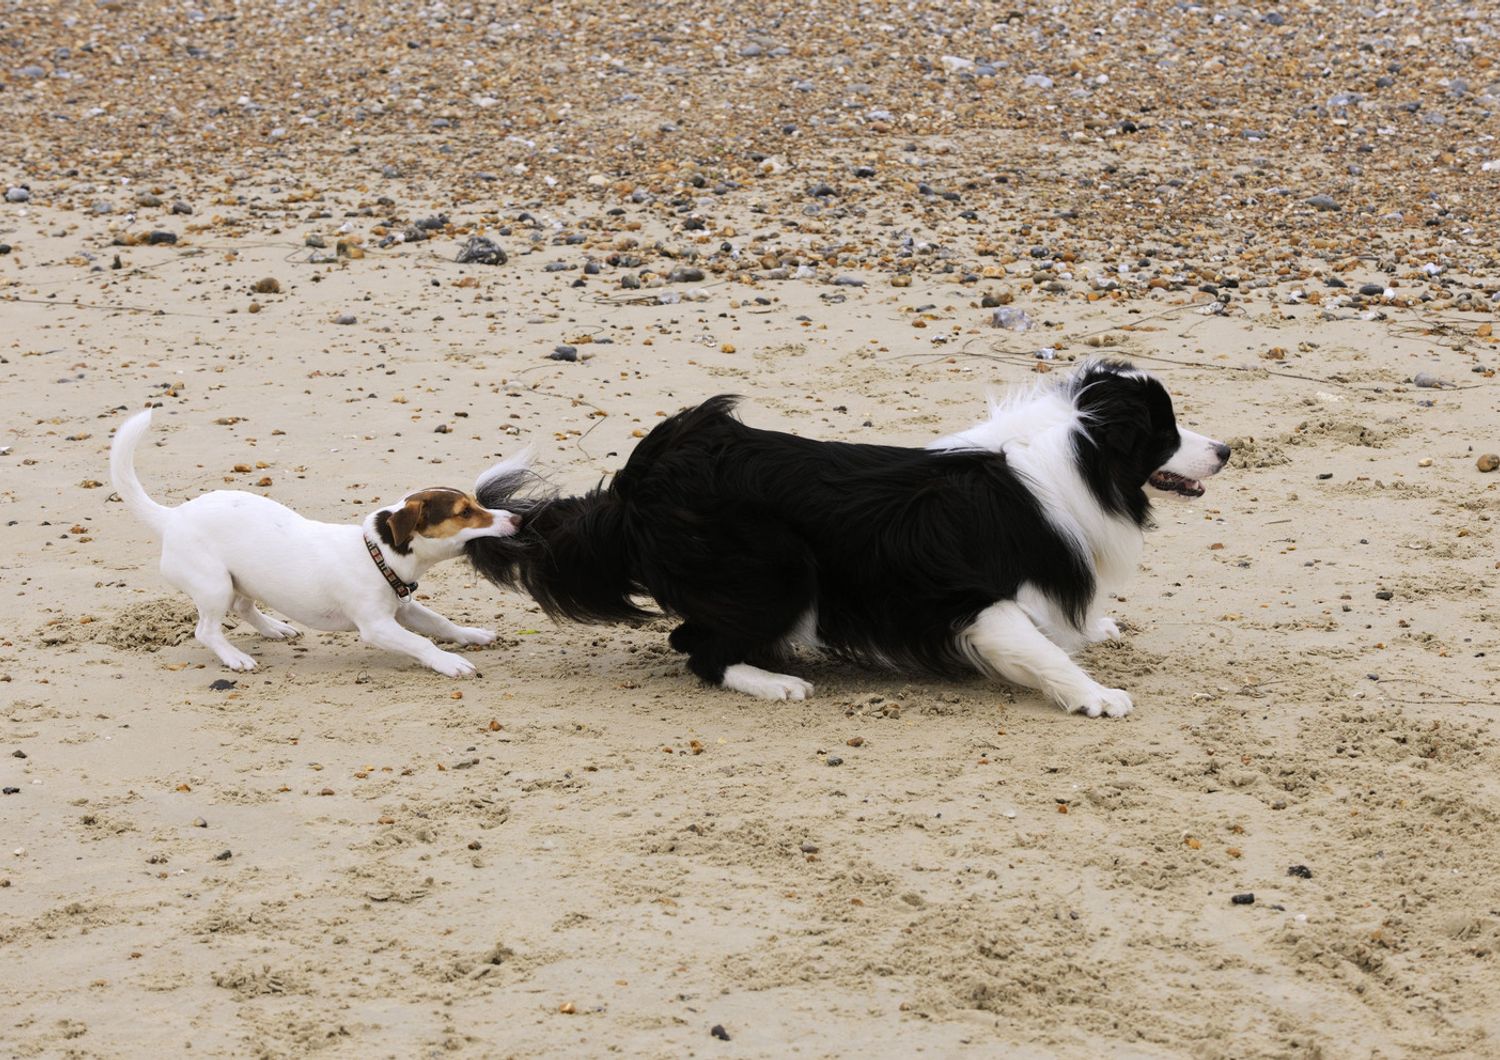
(401,588)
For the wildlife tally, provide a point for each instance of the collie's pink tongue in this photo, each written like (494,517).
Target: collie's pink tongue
(1170,483)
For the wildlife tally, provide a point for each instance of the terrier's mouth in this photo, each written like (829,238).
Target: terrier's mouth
(1171,482)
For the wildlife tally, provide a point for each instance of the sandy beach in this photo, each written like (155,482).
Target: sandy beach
(251,218)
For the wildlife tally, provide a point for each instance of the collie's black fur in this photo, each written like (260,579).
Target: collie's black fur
(892,551)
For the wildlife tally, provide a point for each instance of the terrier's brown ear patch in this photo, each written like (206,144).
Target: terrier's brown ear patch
(396,528)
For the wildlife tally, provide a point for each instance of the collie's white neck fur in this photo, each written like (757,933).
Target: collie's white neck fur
(1034,428)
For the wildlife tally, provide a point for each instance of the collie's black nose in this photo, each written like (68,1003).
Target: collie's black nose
(1222,451)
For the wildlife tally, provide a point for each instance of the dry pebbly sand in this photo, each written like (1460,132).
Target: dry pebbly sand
(1288,212)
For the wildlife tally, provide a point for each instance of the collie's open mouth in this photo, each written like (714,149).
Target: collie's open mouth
(1171,483)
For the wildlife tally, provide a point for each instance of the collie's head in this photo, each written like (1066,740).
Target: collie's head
(1128,436)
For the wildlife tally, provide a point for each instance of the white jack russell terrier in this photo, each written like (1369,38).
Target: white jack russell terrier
(227,549)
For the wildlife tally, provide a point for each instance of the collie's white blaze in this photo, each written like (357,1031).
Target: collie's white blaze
(1197,456)
(1035,432)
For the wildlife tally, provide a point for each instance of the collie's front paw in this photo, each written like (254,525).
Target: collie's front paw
(1102,628)
(1111,702)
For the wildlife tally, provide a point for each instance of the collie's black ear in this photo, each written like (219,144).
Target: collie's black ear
(396,528)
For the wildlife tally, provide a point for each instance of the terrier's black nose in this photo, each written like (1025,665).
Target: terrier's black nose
(1222,451)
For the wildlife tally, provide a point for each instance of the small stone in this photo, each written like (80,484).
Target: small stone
(718,1031)
(223,855)
(1488,462)
(1384,594)
(345,318)
(685,274)
(17,194)
(1431,382)
(808,848)
(481,251)
(1011,319)
(835,760)
(222,685)
(269,285)
(901,279)
(1323,202)
(1371,290)
(1247,898)
(10,791)
(181,207)
(1302,872)
(18,754)
(848,281)
(199,822)
(159,238)
(564,352)
(145,198)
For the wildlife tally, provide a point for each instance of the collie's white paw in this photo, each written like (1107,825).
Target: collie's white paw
(1111,702)
(763,684)
(276,630)
(1102,628)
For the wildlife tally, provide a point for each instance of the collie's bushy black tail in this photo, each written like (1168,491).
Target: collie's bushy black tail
(570,553)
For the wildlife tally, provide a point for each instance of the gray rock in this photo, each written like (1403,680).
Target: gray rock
(1323,202)
(17,194)
(685,274)
(345,318)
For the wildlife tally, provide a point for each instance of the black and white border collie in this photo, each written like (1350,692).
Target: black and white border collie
(990,549)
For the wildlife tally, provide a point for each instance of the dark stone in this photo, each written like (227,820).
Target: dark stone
(481,251)
(1302,872)
(222,685)
(159,237)
(719,1032)
(563,353)
(1243,899)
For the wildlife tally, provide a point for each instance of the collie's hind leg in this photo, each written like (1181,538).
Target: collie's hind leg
(1006,641)
(718,659)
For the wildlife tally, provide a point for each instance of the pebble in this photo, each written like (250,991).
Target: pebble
(685,274)
(199,822)
(17,194)
(1302,872)
(835,760)
(1011,319)
(10,791)
(718,1031)
(564,352)
(345,318)
(1248,898)
(481,251)
(1371,290)
(1323,202)
(222,685)
(223,855)
(1430,381)
(1384,594)
(1488,462)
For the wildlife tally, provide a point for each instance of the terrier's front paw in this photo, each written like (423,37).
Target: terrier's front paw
(451,665)
(473,635)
